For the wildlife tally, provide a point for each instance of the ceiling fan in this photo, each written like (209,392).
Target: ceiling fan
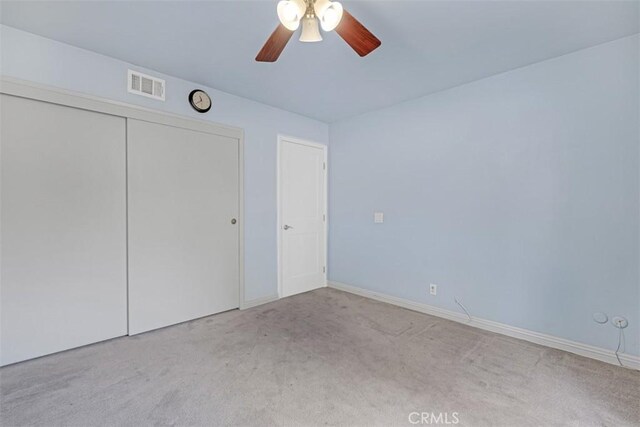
(330,15)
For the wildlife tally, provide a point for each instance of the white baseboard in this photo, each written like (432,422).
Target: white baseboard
(604,355)
(258,301)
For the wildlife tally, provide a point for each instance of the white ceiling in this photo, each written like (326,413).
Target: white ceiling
(427,46)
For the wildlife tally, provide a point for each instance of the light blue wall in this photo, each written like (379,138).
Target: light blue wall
(517,193)
(30,57)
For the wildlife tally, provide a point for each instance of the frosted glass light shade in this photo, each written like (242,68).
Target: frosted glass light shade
(329,13)
(310,30)
(290,12)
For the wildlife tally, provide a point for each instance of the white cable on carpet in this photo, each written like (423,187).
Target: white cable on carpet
(620,340)
(463,307)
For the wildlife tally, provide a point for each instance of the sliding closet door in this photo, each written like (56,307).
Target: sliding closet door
(63,225)
(183,230)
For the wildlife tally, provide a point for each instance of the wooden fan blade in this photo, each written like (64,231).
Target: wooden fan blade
(356,35)
(275,44)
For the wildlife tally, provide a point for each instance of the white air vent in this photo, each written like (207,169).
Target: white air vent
(142,84)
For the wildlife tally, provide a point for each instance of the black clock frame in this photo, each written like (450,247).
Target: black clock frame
(195,107)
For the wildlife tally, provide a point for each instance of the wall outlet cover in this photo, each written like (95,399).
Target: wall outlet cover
(433,289)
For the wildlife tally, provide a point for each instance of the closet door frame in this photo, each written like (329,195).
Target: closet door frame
(44,93)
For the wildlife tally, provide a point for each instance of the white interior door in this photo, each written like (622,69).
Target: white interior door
(302,216)
(183,229)
(63,224)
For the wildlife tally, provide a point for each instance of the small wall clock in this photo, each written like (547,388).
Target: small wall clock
(200,101)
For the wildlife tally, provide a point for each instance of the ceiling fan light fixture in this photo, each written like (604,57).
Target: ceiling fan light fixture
(290,12)
(329,13)
(310,31)
(314,13)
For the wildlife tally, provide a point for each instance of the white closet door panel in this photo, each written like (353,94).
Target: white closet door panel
(63,224)
(183,247)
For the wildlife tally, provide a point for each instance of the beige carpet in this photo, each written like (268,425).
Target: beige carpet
(320,358)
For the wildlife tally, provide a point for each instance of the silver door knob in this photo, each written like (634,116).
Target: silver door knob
(286,227)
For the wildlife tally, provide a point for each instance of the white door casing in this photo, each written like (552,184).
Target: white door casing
(302,195)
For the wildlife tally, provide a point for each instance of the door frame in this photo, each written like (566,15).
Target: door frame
(281,139)
(46,93)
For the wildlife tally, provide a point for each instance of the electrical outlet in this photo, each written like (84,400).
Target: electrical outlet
(433,289)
